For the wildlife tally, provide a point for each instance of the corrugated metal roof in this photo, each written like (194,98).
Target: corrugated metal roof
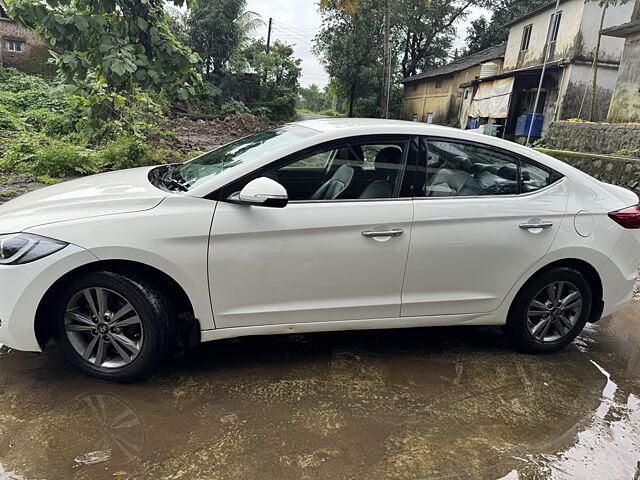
(478,58)
(532,13)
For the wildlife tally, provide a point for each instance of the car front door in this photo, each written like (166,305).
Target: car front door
(472,237)
(320,258)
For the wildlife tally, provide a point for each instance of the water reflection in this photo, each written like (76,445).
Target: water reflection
(432,403)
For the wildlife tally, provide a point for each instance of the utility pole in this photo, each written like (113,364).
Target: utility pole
(269,35)
(386,71)
(544,69)
(594,87)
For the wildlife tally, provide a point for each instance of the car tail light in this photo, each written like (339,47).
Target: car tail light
(627,217)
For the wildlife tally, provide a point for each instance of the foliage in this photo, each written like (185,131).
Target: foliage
(33,154)
(313,99)
(428,32)
(277,75)
(484,33)
(233,107)
(350,47)
(126,152)
(213,30)
(106,50)
(51,123)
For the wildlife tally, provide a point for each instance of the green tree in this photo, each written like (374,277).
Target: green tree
(350,47)
(107,51)
(277,76)
(314,99)
(486,32)
(120,43)
(428,32)
(213,28)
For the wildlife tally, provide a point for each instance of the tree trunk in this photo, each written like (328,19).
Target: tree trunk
(384,97)
(594,87)
(352,99)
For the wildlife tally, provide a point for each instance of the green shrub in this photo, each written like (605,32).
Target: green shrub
(331,113)
(8,120)
(19,153)
(51,123)
(61,160)
(31,154)
(127,152)
(233,107)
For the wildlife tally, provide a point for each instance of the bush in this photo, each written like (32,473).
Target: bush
(127,152)
(233,107)
(59,159)
(31,154)
(8,120)
(331,113)
(51,123)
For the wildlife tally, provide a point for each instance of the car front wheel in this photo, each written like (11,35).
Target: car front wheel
(115,327)
(550,311)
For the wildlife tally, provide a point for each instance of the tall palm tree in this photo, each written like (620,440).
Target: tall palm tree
(351,6)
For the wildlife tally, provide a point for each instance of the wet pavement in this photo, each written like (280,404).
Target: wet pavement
(445,403)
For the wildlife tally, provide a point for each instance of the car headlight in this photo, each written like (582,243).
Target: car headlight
(20,248)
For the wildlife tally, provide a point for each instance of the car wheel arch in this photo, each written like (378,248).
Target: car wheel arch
(178,296)
(587,270)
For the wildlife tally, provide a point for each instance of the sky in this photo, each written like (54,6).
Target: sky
(298,21)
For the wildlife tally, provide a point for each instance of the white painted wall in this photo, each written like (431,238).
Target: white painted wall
(570,25)
(610,48)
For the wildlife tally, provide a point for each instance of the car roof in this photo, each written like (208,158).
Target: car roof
(326,125)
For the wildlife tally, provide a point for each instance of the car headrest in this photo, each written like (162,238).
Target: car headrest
(388,159)
(351,155)
(459,162)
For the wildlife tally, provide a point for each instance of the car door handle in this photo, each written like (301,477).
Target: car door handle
(536,226)
(394,232)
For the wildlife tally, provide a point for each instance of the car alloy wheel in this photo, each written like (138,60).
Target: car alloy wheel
(103,327)
(554,312)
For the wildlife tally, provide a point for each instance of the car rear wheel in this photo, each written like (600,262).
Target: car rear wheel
(115,327)
(550,311)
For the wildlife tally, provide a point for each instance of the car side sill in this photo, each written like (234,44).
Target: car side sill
(370,324)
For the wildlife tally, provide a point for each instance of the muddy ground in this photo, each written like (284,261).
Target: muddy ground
(445,403)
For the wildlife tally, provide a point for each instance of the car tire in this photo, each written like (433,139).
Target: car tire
(132,328)
(550,311)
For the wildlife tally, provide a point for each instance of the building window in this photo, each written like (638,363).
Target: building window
(555,26)
(438,83)
(526,38)
(15,46)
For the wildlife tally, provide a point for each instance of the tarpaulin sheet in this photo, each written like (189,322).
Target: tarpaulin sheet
(492,99)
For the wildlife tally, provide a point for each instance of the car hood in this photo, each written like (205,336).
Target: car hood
(123,191)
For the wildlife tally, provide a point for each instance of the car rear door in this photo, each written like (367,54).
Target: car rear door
(312,261)
(482,218)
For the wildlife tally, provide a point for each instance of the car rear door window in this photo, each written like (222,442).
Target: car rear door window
(460,169)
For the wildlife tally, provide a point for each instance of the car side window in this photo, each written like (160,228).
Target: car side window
(534,178)
(353,171)
(456,169)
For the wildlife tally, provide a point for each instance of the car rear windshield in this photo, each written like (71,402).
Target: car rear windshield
(202,169)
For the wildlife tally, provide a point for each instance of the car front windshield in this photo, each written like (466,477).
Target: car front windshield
(202,169)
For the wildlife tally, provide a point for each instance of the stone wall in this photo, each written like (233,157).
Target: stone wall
(600,138)
(621,171)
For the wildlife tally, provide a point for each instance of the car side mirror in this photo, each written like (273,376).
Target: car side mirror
(263,192)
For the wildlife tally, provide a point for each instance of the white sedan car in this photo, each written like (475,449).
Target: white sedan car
(315,226)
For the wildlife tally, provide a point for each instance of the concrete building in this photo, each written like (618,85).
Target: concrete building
(20,49)
(625,104)
(566,91)
(435,96)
